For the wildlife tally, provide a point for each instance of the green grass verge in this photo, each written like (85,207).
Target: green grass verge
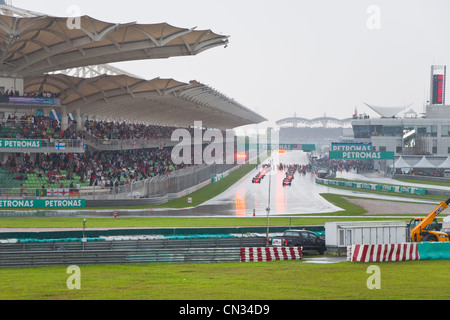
(92,223)
(412,181)
(432,183)
(394,194)
(339,201)
(351,212)
(277,280)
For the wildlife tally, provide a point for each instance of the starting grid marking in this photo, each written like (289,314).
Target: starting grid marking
(258,254)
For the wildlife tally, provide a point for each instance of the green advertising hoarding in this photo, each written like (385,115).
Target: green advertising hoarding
(369,186)
(41,203)
(362,155)
(20,144)
(345,146)
(291,147)
(308,147)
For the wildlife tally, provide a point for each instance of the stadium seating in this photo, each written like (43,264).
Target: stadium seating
(8,132)
(31,182)
(123,166)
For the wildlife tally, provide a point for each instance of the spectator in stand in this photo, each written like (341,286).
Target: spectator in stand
(99,168)
(40,127)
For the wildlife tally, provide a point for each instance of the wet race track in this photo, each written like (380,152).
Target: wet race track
(301,197)
(245,199)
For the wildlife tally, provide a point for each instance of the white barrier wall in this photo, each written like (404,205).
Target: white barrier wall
(383,252)
(260,254)
(344,234)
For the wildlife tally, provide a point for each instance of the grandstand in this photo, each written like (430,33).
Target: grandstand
(64,132)
(319,131)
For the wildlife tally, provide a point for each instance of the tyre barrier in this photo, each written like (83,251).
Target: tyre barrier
(399,252)
(260,254)
(179,255)
(120,238)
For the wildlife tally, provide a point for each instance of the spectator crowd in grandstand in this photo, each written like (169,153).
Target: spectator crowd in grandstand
(127,131)
(106,168)
(15,93)
(45,127)
(98,168)
(37,127)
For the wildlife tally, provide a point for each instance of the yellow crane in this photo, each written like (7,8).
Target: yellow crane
(427,229)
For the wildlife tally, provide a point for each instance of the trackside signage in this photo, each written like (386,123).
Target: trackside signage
(377,187)
(21,144)
(362,155)
(339,146)
(44,203)
(303,147)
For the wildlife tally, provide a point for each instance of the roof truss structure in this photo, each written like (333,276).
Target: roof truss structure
(42,44)
(322,121)
(156,101)
(47,51)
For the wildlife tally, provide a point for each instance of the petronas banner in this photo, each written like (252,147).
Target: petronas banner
(38,203)
(362,155)
(21,144)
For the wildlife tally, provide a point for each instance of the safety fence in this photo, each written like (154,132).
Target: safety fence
(374,187)
(101,257)
(399,252)
(188,255)
(158,189)
(184,179)
(100,251)
(172,185)
(125,243)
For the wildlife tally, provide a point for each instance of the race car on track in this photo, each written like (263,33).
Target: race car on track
(287,182)
(256,180)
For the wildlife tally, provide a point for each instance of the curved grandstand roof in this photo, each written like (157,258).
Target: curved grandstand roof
(320,120)
(41,44)
(387,112)
(34,46)
(157,101)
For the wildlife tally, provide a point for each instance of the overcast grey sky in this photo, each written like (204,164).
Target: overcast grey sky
(294,56)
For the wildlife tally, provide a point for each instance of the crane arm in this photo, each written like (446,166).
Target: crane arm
(429,218)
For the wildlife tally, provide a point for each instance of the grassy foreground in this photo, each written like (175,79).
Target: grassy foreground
(278,280)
